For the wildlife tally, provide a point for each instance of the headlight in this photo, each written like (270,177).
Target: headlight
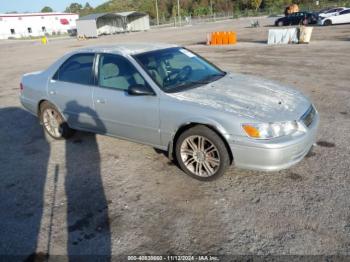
(270,130)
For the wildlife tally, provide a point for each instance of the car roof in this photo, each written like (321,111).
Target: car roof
(300,12)
(335,8)
(126,48)
(339,7)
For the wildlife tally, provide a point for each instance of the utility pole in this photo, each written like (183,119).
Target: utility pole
(178,11)
(211,8)
(157,12)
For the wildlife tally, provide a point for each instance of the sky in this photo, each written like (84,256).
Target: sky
(37,5)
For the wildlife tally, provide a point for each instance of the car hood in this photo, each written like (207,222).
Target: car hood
(252,97)
(323,16)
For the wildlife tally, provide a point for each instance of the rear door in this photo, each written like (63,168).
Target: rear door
(293,18)
(299,18)
(124,115)
(71,89)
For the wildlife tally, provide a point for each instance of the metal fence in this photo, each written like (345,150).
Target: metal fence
(192,20)
(273,11)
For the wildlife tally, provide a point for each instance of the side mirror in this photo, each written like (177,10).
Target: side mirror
(140,90)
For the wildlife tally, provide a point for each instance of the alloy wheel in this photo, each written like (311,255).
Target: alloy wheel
(200,156)
(51,121)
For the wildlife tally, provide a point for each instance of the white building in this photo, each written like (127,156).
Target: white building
(94,25)
(36,24)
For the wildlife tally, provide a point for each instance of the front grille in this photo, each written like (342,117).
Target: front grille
(309,116)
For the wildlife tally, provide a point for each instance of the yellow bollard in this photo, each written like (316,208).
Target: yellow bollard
(44,40)
(81,37)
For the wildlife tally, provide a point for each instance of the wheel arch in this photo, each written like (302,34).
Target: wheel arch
(182,128)
(39,106)
(41,101)
(328,21)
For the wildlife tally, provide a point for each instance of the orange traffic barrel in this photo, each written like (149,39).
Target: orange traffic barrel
(219,38)
(222,38)
(214,38)
(225,38)
(232,38)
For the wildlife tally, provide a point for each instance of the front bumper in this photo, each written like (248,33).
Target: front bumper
(268,155)
(320,22)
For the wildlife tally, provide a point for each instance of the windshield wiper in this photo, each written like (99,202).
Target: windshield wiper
(211,78)
(191,84)
(206,80)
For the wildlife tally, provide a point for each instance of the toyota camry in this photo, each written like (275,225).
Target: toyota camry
(171,98)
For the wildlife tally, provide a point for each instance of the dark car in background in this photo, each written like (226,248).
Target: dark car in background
(297,18)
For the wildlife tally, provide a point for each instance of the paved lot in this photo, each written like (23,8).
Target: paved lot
(100,195)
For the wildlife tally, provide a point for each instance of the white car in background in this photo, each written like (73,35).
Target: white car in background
(342,17)
(331,12)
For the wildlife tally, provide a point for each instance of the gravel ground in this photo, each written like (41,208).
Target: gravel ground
(99,195)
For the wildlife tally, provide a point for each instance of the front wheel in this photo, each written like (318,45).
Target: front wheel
(53,122)
(202,154)
(327,22)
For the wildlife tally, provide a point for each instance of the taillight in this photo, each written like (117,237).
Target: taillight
(21,87)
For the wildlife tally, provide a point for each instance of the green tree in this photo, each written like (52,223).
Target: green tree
(87,6)
(147,6)
(74,8)
(86,10)
(46,9)
(168,8)
(255,4)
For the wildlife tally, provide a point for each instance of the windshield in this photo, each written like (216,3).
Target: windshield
(176,69)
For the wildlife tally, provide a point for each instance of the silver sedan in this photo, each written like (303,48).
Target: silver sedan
(171,98)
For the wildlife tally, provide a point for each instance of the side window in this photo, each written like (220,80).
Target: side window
(345,12)
(77,69)
(332,11)
(117,72)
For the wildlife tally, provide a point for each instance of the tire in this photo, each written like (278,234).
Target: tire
(53,122)
(327,22)
(280,23)
(201,153)
(305,22)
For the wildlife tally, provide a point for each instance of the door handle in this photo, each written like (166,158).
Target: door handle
(52,92)
(101,101)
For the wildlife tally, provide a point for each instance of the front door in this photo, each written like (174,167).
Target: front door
(342,17)
(124,115)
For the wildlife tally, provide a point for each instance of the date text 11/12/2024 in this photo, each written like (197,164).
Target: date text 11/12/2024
(173,258)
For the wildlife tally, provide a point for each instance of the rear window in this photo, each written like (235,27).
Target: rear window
(76,69)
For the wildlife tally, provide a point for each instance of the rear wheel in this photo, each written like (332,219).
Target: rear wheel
(280,23)
(53,122)
(327,22)
(202,154)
